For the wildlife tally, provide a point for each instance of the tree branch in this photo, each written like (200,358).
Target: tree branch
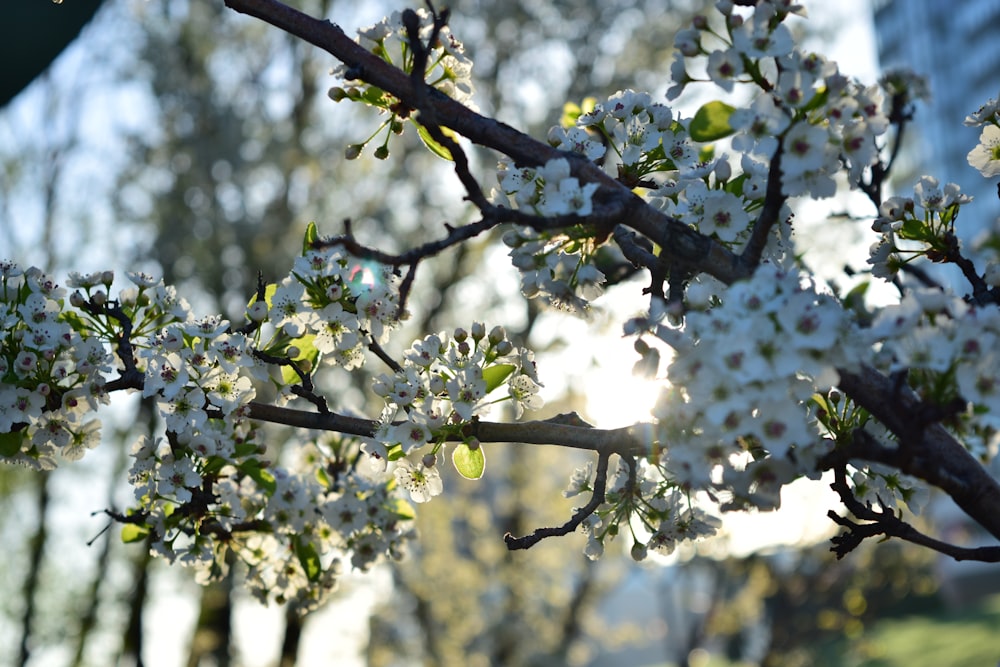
(596,498)
(885,522)
(926,450)
(626,441)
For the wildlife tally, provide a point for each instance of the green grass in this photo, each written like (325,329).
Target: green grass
(968,638)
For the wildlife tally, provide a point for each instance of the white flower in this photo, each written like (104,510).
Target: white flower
(423,483)
(563,194)
(984,114)
(723,215)
(176,478)
(986,156)
(524,391)
(806,149)
(724,67)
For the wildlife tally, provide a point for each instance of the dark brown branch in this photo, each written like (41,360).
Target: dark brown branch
(627,441)
(926,451)
(885,522)
(596,499)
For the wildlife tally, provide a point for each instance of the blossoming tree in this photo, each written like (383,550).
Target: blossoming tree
(773,375)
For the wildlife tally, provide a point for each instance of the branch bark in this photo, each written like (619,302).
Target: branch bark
(926,449)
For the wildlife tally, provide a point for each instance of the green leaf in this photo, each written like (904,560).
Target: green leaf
(309,558)
(913,229)
(711,122)
(244,449)
(133,532)
(307,352)
(496,374)
(10,443)
(401,509)
(263,477)
(373,95)
(269,291)
(469,462)
(323,477)
(735,185)
(818,100)
(312,235)
(572,111)
(432,145)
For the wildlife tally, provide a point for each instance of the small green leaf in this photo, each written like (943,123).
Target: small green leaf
(469,462)
(323,477)
(373,95)
(133,532)
(818,100)
(269,291)
(432,145)
(711,122)
(244,449)
(309,558)
(496,374)
(10,443)
(735,185)
(312,235)
(307,352)
(401,509)
(263,477)
(913,229)
(572,111)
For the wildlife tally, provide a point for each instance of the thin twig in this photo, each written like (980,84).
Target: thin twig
(596,499)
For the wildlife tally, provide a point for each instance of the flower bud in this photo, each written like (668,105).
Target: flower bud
(639,552)
(429,460)
(478,331)
(504,347)
(100,298)
(257,311)
(473,444)
(293,352)
(723,170)
(382,152)
(460,335)
(353,151)
(107,277)
(76,299)
(336,94)
(497,334)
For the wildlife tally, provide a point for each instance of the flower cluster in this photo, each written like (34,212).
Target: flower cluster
(558,267)
(737,415)
(448,70)
(204,495)
(326,309)
(642,498)
(54,356)
(822,119)
(919,226)
(948,349)
(444,383)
